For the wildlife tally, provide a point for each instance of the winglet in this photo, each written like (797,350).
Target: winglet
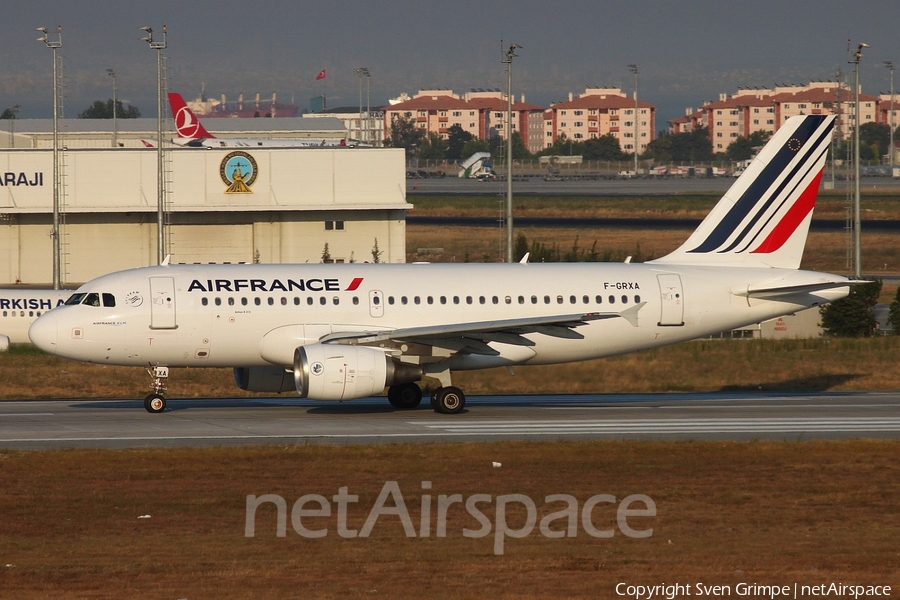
(165,262)
(524,260)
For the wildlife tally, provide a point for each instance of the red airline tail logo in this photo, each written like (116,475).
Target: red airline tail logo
(186,122)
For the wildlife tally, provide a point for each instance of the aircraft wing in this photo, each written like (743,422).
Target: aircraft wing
(474,337)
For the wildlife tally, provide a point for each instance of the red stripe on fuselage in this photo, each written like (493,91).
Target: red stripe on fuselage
(795,215)
(354,284)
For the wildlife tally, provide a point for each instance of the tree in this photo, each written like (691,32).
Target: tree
(877,136)
(457,138)
(433,147)
(894,315)
(376,253)
(405,134)
(853,315)
(326,254)
(605,147)
(691,146)
(104,110)
(744,148)
(9,113)
(474,145)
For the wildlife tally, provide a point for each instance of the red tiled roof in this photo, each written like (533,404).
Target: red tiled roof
(602,101)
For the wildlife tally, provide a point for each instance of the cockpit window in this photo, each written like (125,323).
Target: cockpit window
(109,300)
(75,299)
(92,299)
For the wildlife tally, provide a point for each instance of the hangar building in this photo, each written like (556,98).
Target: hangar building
(267,205)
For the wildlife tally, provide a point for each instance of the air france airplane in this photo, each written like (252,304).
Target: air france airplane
(339,332)
(192,133)
(20,307)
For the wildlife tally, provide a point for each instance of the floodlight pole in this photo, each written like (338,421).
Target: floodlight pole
(54,46)
(634,69)
(510,54)
(115,138)
(160,174)
(889,64)
(857,221)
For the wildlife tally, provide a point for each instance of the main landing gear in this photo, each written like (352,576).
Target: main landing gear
(448,400)
(155,402)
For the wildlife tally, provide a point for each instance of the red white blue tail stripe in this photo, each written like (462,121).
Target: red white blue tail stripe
(764,218)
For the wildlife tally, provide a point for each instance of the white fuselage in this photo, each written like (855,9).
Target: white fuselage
(257,315)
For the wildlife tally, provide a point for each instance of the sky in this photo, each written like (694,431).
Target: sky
(687,52)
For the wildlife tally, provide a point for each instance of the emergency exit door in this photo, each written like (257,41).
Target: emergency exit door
(672,296)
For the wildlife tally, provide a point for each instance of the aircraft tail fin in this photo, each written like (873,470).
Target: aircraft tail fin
(763,219)
(186,122)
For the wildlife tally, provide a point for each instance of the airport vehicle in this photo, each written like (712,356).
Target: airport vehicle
(477,166)
(192,133)
(339,332)
(19,307)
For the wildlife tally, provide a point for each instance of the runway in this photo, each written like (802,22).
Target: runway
(285,420)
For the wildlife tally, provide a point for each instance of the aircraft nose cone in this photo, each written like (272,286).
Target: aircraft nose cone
(43,333)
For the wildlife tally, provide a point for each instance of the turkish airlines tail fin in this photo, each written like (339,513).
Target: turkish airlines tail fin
(186,122)
(763,219)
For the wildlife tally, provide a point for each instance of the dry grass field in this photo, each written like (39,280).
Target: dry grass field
(171,523)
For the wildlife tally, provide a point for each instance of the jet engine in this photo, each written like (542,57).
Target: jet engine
(264,379)
(341,372)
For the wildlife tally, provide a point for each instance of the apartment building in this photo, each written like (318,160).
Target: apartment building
(756,109)
(598,112)
(480,112)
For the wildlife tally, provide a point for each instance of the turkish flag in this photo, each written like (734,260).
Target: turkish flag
(321,75)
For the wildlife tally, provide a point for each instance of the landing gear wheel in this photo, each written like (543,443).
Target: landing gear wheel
(155,403)
(407,395)
(448,400)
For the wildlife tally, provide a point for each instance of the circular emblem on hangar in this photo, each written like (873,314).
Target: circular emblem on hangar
(238,171)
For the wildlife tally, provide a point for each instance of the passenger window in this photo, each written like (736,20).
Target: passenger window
(283,301)
(417,300)
(534,299)
(546,299)
(624,299)
(109,300)
(495,300)
(612,299)
(218,301)
(335,300)
(443,299)
(375,300)
(309,301)
(572,300)
(585,299)
(468,299)
(403,300)
(230,301)
(322,301)
(599,299)
(481,299)
(429,300)
(559,299)
(257,301)
(455,299)
(204,301)
(271,301)
(637,299)
(244,301)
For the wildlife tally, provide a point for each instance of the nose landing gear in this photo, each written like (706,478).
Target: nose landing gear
(155,402)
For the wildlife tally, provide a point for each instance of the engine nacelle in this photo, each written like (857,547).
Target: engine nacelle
(341,372)
(264,379)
